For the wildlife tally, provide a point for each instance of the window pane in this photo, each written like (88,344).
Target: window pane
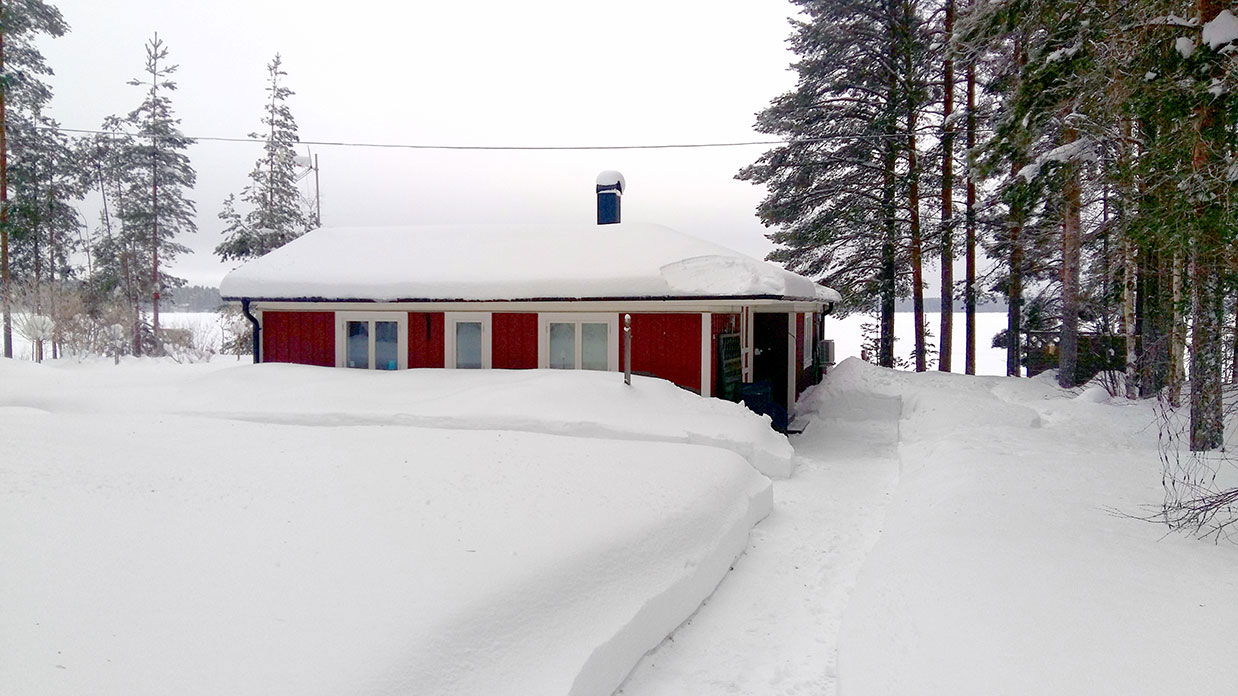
(358,345)
(562,346)
(593,345)
(386,344)
(468,344)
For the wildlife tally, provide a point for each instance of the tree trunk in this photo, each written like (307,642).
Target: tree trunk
(885,355)
(913,187)
(889,279)
(1014,303)
(1207,293)
(1129,279)
(1152,316)
(154,206)
(1207,427)
(1068,345)
(1233,363)
(6,290)
(969,290)
(1177,333)
(946,337)
(917,268)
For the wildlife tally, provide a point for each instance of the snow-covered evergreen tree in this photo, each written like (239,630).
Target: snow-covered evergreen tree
(23,95)
(115,248)
(43,224)
(157,178)
(834,189)
(276,210)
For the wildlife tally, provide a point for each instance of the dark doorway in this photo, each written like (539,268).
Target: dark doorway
(769,362)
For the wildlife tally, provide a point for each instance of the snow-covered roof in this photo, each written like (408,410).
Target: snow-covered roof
(511,262)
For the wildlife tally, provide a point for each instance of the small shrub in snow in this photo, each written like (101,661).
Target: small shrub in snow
(1201,488)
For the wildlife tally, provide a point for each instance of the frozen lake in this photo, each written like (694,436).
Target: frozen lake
(848,337)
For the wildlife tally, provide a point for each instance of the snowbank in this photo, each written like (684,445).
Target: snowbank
(578,403)
(206,530)
(1001,568)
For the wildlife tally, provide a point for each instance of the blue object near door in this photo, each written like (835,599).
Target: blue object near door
(759,398)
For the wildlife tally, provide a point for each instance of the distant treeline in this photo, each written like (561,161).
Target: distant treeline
(195,298)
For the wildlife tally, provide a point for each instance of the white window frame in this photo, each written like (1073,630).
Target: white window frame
(450,319)
(611,319)
(341,335)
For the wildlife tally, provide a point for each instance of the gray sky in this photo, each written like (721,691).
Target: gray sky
(550,72)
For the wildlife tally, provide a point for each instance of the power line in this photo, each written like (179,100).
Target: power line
(525,148)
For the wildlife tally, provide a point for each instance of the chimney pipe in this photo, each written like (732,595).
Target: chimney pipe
(610,186)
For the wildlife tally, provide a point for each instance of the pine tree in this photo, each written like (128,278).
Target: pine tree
(22,93)
(106,160)
(43,223)
(1052,121)
(158,177)
(836,181)
(277,212)
(944,356)
(911,46)
(970,241)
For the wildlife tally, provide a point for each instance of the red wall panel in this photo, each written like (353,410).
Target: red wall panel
(425,339)
(666,346)
(514,342)
(306,338)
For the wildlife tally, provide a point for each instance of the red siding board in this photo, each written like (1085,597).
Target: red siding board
(425,339)
(305,338)
(667,346)
(514,343)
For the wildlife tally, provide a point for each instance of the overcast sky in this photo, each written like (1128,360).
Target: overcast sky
(547,72)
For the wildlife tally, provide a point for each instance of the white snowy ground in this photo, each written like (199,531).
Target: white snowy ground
(283,530)
(277,529)
(954,535)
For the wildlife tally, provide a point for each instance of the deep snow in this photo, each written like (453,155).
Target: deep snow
(1006,564)
(281,529)
(940,534)
(988,550)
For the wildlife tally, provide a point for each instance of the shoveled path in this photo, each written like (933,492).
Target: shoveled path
(771,627)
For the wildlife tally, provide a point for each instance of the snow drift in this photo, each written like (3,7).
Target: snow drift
(308,541)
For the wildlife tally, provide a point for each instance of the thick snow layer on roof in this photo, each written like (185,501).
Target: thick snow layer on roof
(509,262)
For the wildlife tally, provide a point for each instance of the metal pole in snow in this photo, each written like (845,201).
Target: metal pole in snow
(627,349)
(317,195)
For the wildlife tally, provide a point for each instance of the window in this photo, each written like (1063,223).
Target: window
(578,341)
(371,340)
(467,344)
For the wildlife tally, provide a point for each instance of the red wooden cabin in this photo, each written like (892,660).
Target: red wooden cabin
(530,296)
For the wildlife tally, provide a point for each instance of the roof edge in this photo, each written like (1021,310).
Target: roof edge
(443,300)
